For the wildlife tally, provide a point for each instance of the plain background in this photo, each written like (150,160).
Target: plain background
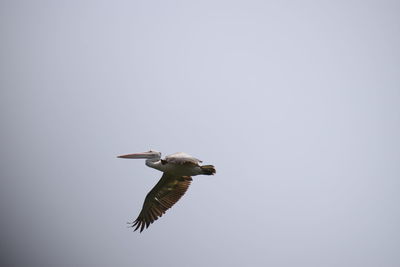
(296,103)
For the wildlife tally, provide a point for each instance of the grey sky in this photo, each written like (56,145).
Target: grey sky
(296,103)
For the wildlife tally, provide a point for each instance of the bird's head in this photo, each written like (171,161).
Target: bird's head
(151,154)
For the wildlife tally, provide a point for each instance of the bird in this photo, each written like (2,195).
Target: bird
(178,169)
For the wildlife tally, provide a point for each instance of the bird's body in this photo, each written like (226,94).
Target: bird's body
(177,164)
(178,169)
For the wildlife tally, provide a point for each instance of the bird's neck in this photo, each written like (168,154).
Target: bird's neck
(154,163)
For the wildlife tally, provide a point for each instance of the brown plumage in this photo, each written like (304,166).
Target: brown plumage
(162,197)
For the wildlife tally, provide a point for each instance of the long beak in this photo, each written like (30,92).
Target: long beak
(143,155)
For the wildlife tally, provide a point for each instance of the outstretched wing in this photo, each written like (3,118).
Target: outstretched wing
(162,197)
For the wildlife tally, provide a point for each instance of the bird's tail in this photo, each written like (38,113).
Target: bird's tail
(208,169)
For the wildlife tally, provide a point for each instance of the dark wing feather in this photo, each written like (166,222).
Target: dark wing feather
(162,197)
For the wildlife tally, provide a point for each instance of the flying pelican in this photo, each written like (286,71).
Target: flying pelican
(178,169)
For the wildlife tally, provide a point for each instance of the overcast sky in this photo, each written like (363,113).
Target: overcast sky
(296,103)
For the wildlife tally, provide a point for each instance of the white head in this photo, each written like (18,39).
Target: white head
(144,155)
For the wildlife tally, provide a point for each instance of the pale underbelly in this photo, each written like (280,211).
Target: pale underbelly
(182,170)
